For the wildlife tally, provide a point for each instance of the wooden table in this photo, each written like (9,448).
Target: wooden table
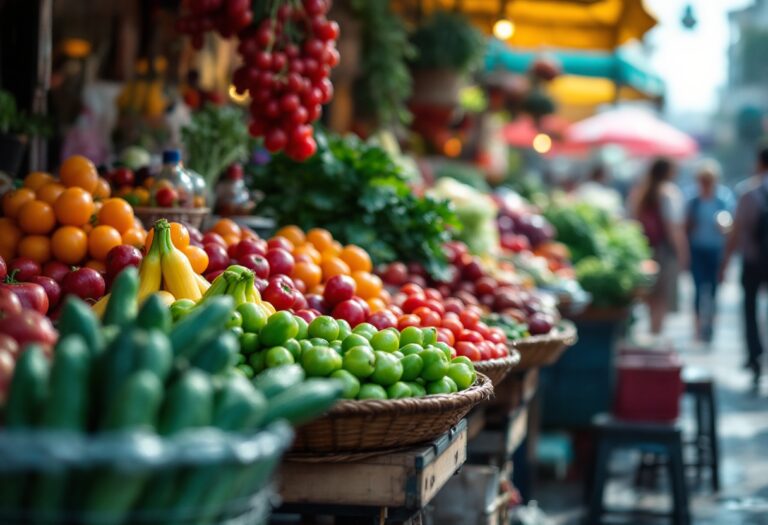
(386,488)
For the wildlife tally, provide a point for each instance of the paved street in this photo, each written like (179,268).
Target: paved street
(743,430)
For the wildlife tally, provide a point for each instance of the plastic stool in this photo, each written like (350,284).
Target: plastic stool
(611,434)
(700,385)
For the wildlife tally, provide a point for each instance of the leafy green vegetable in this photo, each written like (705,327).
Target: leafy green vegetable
(359,193)
(15,122)
(216,137)
(448,40)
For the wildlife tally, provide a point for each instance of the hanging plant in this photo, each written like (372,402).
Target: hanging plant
(288,48)
(448,41)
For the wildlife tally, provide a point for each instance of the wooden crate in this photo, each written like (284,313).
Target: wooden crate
(500,439)
(517,389)
(404,479)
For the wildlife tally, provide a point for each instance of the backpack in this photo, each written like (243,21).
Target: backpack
(653,226)
(761,232)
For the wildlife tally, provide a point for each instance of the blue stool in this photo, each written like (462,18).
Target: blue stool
(612,434)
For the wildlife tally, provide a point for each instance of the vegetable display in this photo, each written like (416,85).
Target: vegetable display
(360,195)
(137,373)
(607,253)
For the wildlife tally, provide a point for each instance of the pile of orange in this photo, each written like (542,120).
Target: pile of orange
(71,219)
(319,257)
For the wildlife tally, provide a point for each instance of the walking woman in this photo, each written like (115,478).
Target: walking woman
(708,217)
(658,205)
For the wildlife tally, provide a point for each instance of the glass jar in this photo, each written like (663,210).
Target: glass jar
(232,195)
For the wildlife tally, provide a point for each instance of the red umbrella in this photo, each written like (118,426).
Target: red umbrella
(638,131)
(521,131)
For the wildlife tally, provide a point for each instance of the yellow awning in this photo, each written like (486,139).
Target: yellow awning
(578,97)
(577,24)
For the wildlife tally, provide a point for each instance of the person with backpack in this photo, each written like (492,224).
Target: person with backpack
(707,217)
(658,205)
(749,237)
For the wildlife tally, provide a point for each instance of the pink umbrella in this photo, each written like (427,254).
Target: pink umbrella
(638,131)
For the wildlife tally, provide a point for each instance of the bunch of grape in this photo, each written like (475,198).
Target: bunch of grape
(225,16)
(287,60)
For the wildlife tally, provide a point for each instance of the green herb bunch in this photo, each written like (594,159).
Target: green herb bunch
(447,41)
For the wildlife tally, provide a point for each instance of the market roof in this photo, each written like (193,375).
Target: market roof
(585,73)
(576,24)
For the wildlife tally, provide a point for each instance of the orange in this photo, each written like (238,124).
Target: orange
(149,182)
(179,236)
(197,257)
(320,237)
(310,251)
(319,289)
(231,239)
(74,207)
(368,284)
(376,304)
(357,258)
(87,228)
(102,190)
(310,273)
(134,237)
(36,247)
(226,227)
(15,199)
(102,239)
(35,180)
(79,171)
(293,233)
(99,266)
(69,244)
(36,218)
(116,213)
(10,235)
(50,192)
(329,254)
(124,191)
(142,196)
(247,233)
(333,267)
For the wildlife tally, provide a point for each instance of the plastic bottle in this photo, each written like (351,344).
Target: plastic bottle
(173,186)
(232,196)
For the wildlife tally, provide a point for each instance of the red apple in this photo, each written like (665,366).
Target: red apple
(121,257)
(339,288)
(86,283)
(218,259)
(280,261)
(52,290)
(24,268)
(56,270)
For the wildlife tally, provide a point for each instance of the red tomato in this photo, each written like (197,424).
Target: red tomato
(487,349)
(469,318)
(496,335)
(446,336)
(471,336)
(482,328)
(468,349)
(408,320)
(433,293)
(428,317)
(412,303)
(436,306)
(453,324)
(412,289)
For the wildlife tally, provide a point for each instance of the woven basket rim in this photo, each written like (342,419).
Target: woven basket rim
(170,211)
(482,389)
(501,361)
(565,333)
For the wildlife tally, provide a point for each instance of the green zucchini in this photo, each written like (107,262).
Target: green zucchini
(303,402)
(274,381)
(238,405)
(196,330)
(218,356)
(28,392)
(137,404)
(156,355)
(121,307)
(78,318)
(188,403)
(154,314)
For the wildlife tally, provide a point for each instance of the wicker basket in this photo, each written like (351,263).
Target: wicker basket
(191,216)
(542,350)
(373,424)
(497,369)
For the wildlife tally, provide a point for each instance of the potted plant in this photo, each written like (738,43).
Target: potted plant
(15,129)
(447,47)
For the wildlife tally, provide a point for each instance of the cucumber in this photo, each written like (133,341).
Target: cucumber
(28,392)
(137,404)
(188,403)
(117,363)
(155,356)
(197,329)
(220,355)
(78,318)
(121,307)
(69,386)
(238,405)
(154,314)
(274,381)
(303,402)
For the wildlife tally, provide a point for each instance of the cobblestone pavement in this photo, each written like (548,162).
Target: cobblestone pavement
(743,430)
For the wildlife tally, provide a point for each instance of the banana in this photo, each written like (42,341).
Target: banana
(176,270)
(218,287)
(100,306)
(150,273)
(238,293)
(202,283)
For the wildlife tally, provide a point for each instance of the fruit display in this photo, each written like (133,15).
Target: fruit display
(287,58)
(71,220)
(136,372)
(309,273)
(171,265)
(370,363)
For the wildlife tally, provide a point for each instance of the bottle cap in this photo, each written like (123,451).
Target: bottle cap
(171,156)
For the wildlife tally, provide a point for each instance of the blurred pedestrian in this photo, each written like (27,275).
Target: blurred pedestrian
(749,237)
(707,220)
(658,205)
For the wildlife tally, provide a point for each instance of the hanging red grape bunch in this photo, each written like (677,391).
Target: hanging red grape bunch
(287,60)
